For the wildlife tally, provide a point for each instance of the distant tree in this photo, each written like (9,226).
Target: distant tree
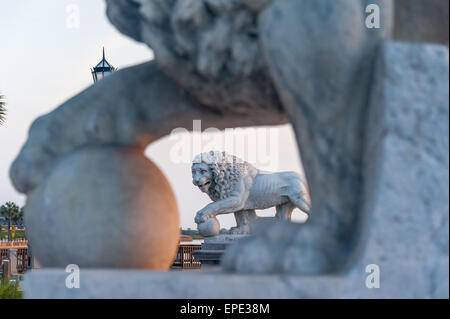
(18,218)
(11,211)
(2,109)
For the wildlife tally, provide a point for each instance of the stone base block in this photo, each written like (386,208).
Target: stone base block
(102,283)
(213,249)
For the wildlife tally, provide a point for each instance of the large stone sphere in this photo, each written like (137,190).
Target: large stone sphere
(107,207)
(209,228)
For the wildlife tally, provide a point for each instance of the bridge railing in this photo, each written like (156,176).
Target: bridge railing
(21,259)
(185,259)
(4,243)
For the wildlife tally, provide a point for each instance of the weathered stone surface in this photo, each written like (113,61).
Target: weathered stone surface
(422,21)
(404,220)
(405,229)
(104,207)
(256,5)
(104,283)
(323,83)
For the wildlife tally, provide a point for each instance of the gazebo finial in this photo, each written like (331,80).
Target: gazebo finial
(102,69)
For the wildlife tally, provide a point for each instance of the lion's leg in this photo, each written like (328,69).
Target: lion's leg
(284,212)
(325,96)
(244,221)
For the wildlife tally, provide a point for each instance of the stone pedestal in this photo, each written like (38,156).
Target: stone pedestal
(13,260)
(213,248)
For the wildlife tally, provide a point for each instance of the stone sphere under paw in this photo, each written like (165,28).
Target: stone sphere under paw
(107,207)
(209,228)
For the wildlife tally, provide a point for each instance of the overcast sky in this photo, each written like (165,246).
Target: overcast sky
(45,58)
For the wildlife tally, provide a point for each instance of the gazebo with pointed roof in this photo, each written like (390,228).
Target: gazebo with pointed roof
(102,69)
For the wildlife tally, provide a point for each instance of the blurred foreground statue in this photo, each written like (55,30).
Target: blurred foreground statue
(370,116)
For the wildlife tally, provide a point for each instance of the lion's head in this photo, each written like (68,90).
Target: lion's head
(216,173)
(209,47)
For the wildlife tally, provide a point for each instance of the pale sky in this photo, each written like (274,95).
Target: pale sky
(45,58)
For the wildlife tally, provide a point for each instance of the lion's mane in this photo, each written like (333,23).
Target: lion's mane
(211,48)
(226,171)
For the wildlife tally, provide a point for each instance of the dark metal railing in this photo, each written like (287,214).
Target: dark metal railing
(185,259)
(21,259)
(3,254)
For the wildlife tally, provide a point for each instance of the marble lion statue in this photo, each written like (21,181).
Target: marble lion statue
(236,186)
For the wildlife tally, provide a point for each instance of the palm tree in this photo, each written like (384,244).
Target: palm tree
(2,109)
(18,218)
(11,211)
